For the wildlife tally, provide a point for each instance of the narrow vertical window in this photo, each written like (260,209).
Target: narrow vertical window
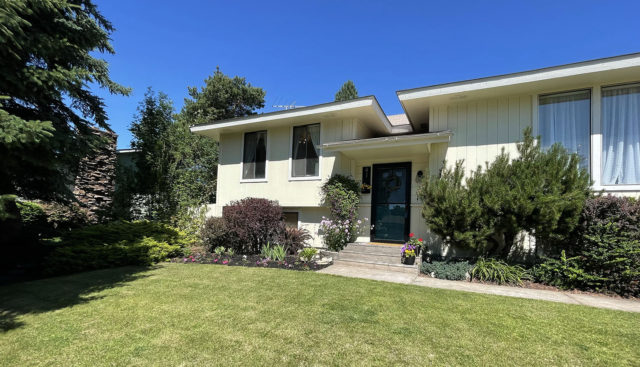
(621,135)
(565,118)
(254,156)
(305,159)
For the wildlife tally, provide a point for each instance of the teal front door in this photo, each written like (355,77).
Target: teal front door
(390,202)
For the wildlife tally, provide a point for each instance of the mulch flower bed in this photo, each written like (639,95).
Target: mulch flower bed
(252,261)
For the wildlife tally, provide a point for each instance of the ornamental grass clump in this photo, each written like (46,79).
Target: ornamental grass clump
(497,271)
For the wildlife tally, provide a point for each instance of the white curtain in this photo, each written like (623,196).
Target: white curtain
(621,135)
(566,118)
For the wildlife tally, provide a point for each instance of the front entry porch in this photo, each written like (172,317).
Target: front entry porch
(385,256)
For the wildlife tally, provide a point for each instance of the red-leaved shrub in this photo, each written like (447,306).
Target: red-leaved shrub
(252,223)
(622,211)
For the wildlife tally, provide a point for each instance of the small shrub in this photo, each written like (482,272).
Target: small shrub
(214,233)
(498,271)
(608,260)
(114,244)
(624,212)
(294,239)
(613,256)
(8,208)
(31,212)
(252,223)
(307,254)
(565,273)
(266,252)
(347,183)
(278,253)
(340,193)
(220,250)
(446,270)
(65,217)
(605,252)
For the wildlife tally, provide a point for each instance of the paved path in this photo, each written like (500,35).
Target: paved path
(545,295)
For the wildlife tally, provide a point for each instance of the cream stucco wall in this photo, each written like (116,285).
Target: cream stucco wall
(293,194)
(279,185)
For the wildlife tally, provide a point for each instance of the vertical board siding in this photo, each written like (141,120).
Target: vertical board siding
(481,129)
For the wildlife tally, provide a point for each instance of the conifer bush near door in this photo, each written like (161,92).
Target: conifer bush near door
(539,191)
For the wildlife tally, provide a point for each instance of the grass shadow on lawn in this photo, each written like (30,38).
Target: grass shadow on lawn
(60,292)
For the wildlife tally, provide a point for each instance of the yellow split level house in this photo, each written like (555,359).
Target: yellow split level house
(591,107)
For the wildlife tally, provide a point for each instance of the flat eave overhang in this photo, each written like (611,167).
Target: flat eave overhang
(389,141)
(563,71)
(369,103)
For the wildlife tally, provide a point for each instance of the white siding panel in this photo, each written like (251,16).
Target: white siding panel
(481,129)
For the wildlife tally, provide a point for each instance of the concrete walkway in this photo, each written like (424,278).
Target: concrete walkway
(499,290)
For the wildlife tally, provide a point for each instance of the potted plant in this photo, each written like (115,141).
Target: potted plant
(416,243)
(408,254)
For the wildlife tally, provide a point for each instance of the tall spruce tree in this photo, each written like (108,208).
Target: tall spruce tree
(347,91)
(47,107)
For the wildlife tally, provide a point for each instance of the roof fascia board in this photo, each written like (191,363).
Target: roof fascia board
(298,112)
(585,67)
(387,141)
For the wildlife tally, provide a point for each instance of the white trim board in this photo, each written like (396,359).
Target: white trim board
(585,67)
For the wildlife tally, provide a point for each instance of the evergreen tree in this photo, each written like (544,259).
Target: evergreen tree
(540,191)
(46,106)
(347,91)
(222,97)
(176,169)
(150,130)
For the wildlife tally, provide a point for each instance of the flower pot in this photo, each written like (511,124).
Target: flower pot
(410,260)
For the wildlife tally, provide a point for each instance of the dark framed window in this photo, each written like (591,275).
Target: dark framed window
(254,157)
(304,151)
(291,219)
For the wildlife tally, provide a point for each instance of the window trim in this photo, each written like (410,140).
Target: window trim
(597,183)
(266,162)
(319,150)
(536,129)
(595,133)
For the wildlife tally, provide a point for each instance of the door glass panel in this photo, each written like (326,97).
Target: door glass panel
(389,222)
(391,185)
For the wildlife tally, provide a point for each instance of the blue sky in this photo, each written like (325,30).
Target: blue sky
(303,51)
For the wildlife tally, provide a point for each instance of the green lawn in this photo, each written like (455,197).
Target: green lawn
(204,315)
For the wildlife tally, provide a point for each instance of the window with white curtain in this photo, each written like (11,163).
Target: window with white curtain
(254,157)
(565,118)
(621,135)
(305,161)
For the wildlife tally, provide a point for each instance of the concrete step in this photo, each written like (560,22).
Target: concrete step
(411,269)
(373,257)
(373,249)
